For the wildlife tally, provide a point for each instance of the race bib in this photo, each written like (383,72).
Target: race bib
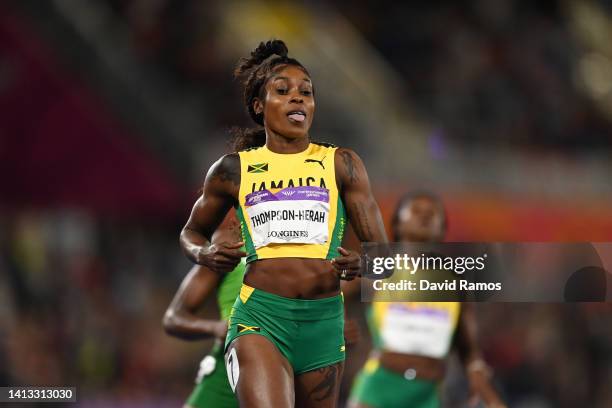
(233,369)
(423,331)
(207,366)
(297,215)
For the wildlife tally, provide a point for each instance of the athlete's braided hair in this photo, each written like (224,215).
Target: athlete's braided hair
(409,197)
(253,72)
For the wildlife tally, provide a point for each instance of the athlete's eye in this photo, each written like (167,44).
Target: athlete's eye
(306,93)
(281,91)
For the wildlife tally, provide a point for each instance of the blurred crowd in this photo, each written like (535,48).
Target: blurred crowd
(183,41)
(82,302)
(500,71)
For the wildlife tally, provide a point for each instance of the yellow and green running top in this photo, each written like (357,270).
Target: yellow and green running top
(289,205)
(415,328)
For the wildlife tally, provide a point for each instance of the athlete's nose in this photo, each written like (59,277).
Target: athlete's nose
(296,97)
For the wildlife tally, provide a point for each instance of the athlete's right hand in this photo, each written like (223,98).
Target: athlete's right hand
(222,257)
(220,330)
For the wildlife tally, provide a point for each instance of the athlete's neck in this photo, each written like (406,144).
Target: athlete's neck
(284,145)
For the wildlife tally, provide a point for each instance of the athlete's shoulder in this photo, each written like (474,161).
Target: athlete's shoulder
(227,168)
(349,166)
(348,155)
(227,161)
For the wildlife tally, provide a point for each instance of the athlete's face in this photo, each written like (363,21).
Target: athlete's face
(421,220)
(288,105)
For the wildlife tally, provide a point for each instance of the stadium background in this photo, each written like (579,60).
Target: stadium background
(111,112)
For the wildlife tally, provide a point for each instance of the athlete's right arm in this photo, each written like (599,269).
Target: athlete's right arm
(180,319)
(220,193)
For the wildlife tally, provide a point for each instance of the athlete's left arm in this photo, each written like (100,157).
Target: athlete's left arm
(476,368)
(181,319)
(362,210)
(354,185)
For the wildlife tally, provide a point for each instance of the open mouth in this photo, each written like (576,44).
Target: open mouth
(296,116)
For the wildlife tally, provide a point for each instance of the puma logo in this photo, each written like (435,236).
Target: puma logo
(316,161)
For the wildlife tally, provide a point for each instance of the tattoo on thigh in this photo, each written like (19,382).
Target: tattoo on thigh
(327,386)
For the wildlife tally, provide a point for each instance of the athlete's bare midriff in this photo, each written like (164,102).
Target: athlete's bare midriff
(296,278)
(425,368)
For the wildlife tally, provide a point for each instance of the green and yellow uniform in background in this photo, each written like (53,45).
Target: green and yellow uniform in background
(212,388)
(414,328)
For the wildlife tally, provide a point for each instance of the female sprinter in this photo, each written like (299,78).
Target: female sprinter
(212,389)
(407,366)
(285,345)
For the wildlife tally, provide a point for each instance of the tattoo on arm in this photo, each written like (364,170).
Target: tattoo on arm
(349,163)
(327,386)
(235,230)
(229,170)
(363,211)
(361,223)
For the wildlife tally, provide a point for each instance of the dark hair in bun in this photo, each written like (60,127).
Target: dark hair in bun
(253,72)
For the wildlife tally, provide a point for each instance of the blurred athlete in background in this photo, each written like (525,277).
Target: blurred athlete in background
(412,340)
(212,387)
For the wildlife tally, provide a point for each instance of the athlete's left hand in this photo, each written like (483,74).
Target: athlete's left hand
(482,390)
(348,265)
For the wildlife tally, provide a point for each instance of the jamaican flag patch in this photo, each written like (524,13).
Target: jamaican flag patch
(257,168)
(243,328)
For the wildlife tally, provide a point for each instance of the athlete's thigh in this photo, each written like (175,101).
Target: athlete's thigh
(261,374)
(319,388)
(353,404)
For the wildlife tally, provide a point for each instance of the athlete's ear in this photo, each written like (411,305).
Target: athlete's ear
(257,106)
